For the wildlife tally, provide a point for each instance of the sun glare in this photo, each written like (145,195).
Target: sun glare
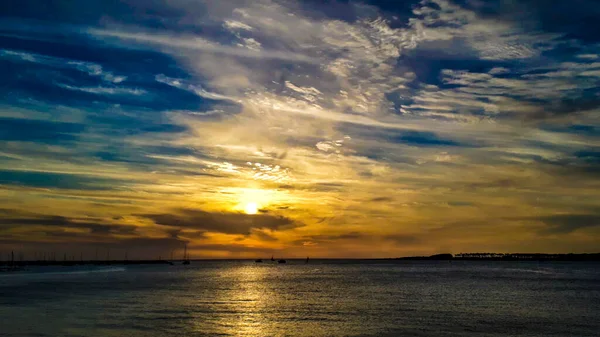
(253,200)
(251,208)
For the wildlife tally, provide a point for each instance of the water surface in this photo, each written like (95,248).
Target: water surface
(322,298)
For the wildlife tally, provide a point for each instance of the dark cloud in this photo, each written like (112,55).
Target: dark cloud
(567,223)
(421,138)
(156,159)
(62,223)
(172,150)
(95,248)
(326,187)
(588,130)
(381,199)
(30,130)
(234,248)
(9,212)
(579,129)
(563,108)
(318,187)
(408,137)
(229,223)
(403,239)
(581,164)
(117,155)
(400,239)
(90,237)
(345,236)
(164,127)
(57,180)
(264,236)
(560,224)
(330,238)
(588,156)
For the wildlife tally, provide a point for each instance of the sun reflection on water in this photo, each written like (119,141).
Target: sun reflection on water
(242,302)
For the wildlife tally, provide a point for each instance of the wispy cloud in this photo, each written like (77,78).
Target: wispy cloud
(196,89)
(105,90)
(197,43)
(92,69)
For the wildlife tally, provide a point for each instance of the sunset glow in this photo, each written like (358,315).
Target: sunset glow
(295,128)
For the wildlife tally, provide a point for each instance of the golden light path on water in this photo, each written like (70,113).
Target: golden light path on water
(246,294)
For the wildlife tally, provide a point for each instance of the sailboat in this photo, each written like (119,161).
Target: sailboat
(306,260)
(186,259)
(13,265)
(272,259)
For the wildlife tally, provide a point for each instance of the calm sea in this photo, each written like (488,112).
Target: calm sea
(322,298)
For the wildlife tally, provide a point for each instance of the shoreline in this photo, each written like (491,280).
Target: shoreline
(535,257)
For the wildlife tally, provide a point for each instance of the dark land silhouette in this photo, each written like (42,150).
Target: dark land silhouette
(16,264)
(11,265)
(507,257)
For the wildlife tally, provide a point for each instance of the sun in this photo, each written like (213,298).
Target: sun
(251,208)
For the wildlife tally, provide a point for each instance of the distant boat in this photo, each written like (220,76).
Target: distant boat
(258,261)
(186,259)
(281,261)
(272,259)
(306,260)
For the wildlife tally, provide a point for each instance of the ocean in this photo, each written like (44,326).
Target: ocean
(321,298)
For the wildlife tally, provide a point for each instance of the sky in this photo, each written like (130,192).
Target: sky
(299,128)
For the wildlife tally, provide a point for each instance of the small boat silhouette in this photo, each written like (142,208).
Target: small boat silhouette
(272,259)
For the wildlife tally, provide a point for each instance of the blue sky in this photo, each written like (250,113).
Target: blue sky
(351,128)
